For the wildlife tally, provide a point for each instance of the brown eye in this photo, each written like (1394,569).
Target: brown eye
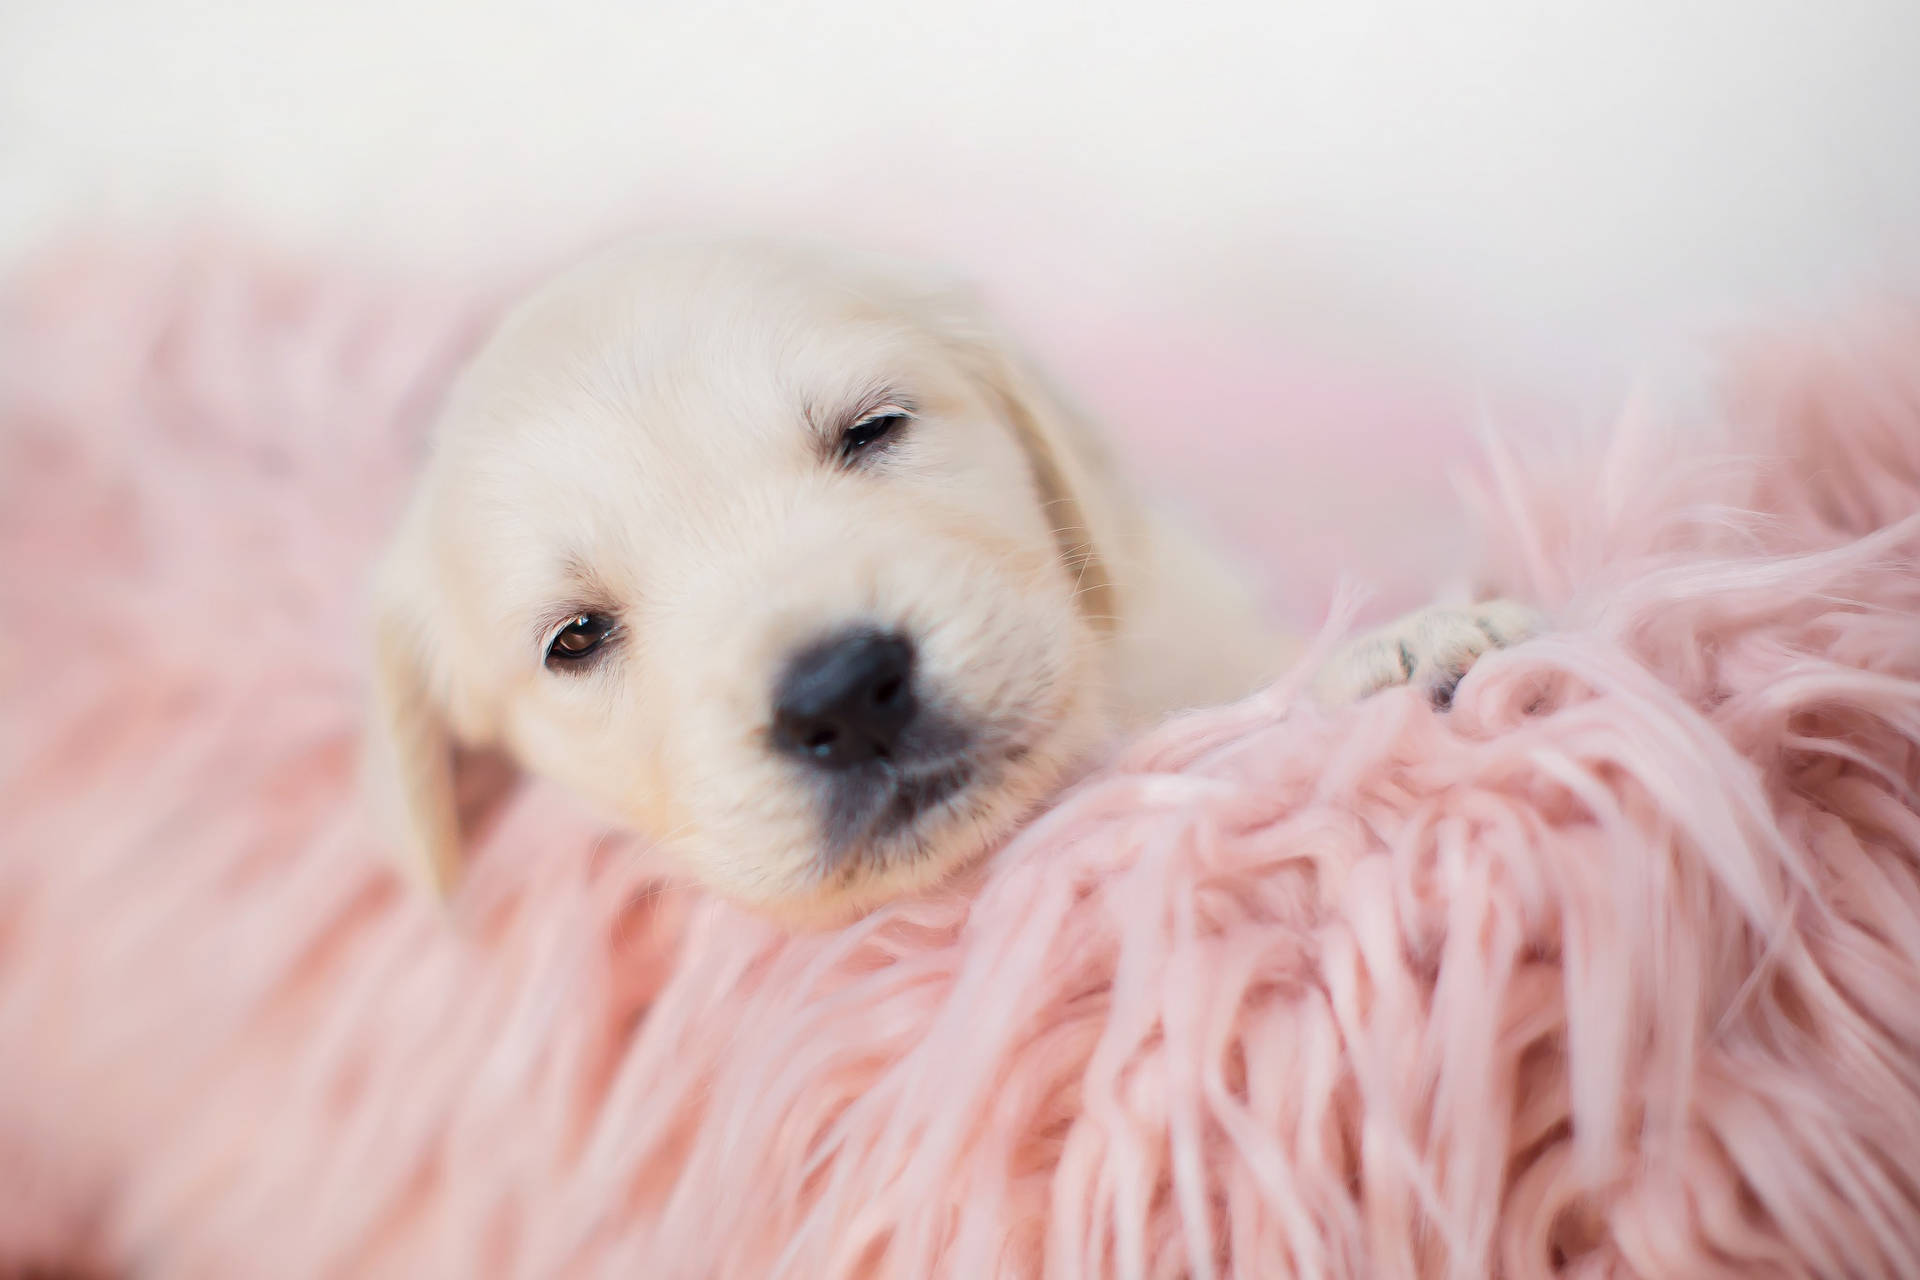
(870,431)
(579,638)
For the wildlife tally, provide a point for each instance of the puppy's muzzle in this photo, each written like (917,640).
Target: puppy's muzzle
(850,711)
(846,701)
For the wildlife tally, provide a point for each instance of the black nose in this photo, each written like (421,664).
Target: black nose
(845,701)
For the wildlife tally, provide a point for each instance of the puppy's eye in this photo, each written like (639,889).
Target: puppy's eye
(578,639)
(871,430)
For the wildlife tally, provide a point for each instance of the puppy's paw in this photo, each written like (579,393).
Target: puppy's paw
(1432,648)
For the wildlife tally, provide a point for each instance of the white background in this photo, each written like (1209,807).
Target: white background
(1559,193)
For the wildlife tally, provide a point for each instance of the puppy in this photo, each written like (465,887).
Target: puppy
(789,560)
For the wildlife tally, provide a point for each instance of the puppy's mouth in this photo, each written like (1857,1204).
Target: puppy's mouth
(914,794)
(886,802)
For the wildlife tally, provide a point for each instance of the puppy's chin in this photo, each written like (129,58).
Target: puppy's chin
(929,857)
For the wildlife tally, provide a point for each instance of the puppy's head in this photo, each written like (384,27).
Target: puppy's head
(782,559)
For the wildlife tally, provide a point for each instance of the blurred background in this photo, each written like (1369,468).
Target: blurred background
(1467,203)
(1555,189)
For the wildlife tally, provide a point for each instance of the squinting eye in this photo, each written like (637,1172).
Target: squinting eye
(870,431)
(579,638)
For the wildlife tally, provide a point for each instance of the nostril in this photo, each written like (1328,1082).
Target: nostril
(846,700)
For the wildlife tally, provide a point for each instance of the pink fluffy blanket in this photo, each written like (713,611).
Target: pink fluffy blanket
(1612,970)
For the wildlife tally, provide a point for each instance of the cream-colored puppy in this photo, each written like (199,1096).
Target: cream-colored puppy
(787,559)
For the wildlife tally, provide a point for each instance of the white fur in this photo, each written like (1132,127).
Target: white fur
(648,437)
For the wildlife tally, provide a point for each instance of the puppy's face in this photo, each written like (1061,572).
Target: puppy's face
(779,560)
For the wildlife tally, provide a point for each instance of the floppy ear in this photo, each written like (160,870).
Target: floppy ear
(1072,469)
(431,774)
(409,756)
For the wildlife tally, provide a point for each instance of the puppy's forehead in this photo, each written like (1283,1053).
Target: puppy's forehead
(691,359)
(626,402)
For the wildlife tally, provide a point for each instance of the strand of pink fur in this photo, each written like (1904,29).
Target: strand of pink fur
(1607,972)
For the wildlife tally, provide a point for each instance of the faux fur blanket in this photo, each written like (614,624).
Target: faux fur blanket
(1612,970)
